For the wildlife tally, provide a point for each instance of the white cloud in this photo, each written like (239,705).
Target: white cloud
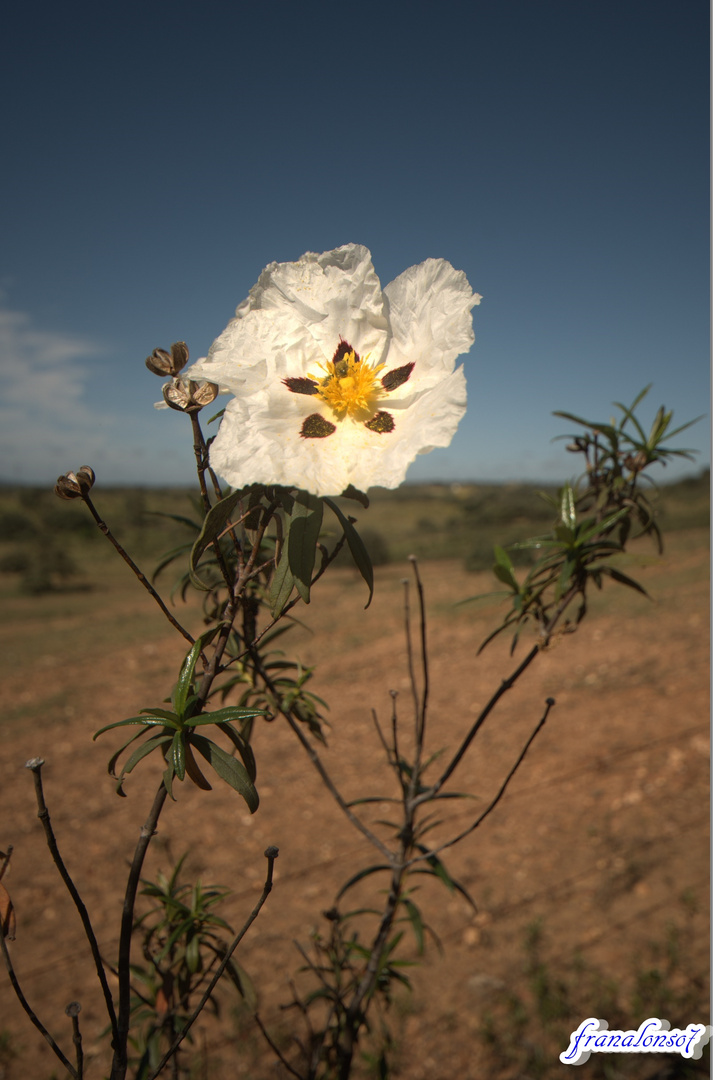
(43,416)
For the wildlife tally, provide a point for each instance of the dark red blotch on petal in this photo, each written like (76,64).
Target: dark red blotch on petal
(382,423)
(396,378)
(316,426)
(342,350)
(301,386)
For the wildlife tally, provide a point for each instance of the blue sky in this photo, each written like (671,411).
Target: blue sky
(158,156)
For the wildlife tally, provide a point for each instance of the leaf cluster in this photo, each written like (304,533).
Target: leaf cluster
(596,517)
(173,733)
(181,944)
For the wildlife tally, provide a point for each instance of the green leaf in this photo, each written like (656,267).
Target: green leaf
(244,748)
(144,750)
(146,722)
(357,548)
(232,771)
(439,870)
(214,523)
(359,496)
(602,526)
(221,716)
(568,508)
(623,579)
(303,530)
(186,675)
(162,714)
(282,584)
(504,568)
(360,875)
(177,755)
(418,926)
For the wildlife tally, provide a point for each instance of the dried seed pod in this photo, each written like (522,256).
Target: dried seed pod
(163,363)
(185,395)
(75,485)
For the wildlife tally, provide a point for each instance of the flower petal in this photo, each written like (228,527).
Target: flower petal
(430,318)
(294,317)
(277,431)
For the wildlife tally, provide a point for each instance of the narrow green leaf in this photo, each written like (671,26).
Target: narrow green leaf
(162,714)
(303,530)
(177,755)
(353,493)
(623,579)
(418,928)
(232,771)
(357,548)
(282,584)
(244,748)
(214,524)
(112,763)
(229,713)
(186,675)
(359,877)
(603,526)
(439,870)
(144,750)
(143,720)
(568,508)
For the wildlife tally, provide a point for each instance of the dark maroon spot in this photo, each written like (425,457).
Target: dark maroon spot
(301,386)
(396,378)
(381,422)
(342,350)
(316,426)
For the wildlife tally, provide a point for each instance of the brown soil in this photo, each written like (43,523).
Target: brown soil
(603,834)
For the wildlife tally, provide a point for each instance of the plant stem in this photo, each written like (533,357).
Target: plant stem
(35,765)
(102,525)
(271,854)
(28,1009)
(119,1062)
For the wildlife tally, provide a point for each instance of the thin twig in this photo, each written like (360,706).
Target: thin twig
(271,854)
(395,745)
(102,525)
(485,813)
(410,662)
(35,765)
(381,737)
(32,1015)
(119,1063)
(275,1049)
(506,684)
(354,1012)
(325,777)
(73,1011)
(423,648)
(201,456)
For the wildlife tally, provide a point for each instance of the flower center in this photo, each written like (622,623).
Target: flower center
(350,387)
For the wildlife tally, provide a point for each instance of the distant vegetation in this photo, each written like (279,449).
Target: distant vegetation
(432,521)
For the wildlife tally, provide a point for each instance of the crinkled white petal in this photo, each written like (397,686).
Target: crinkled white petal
(259,441)
(294,317)
(291,323)
(430,317)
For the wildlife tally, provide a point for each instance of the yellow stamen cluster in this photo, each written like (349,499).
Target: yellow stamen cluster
(350,387)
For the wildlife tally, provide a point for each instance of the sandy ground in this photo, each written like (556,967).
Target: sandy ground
(602,839)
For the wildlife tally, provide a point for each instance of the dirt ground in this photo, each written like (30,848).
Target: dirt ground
(602,840)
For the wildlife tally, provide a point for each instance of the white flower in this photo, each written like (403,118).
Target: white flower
(335,381)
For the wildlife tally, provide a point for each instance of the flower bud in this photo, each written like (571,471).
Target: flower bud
(75,485)
(163,363)
(185,395)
